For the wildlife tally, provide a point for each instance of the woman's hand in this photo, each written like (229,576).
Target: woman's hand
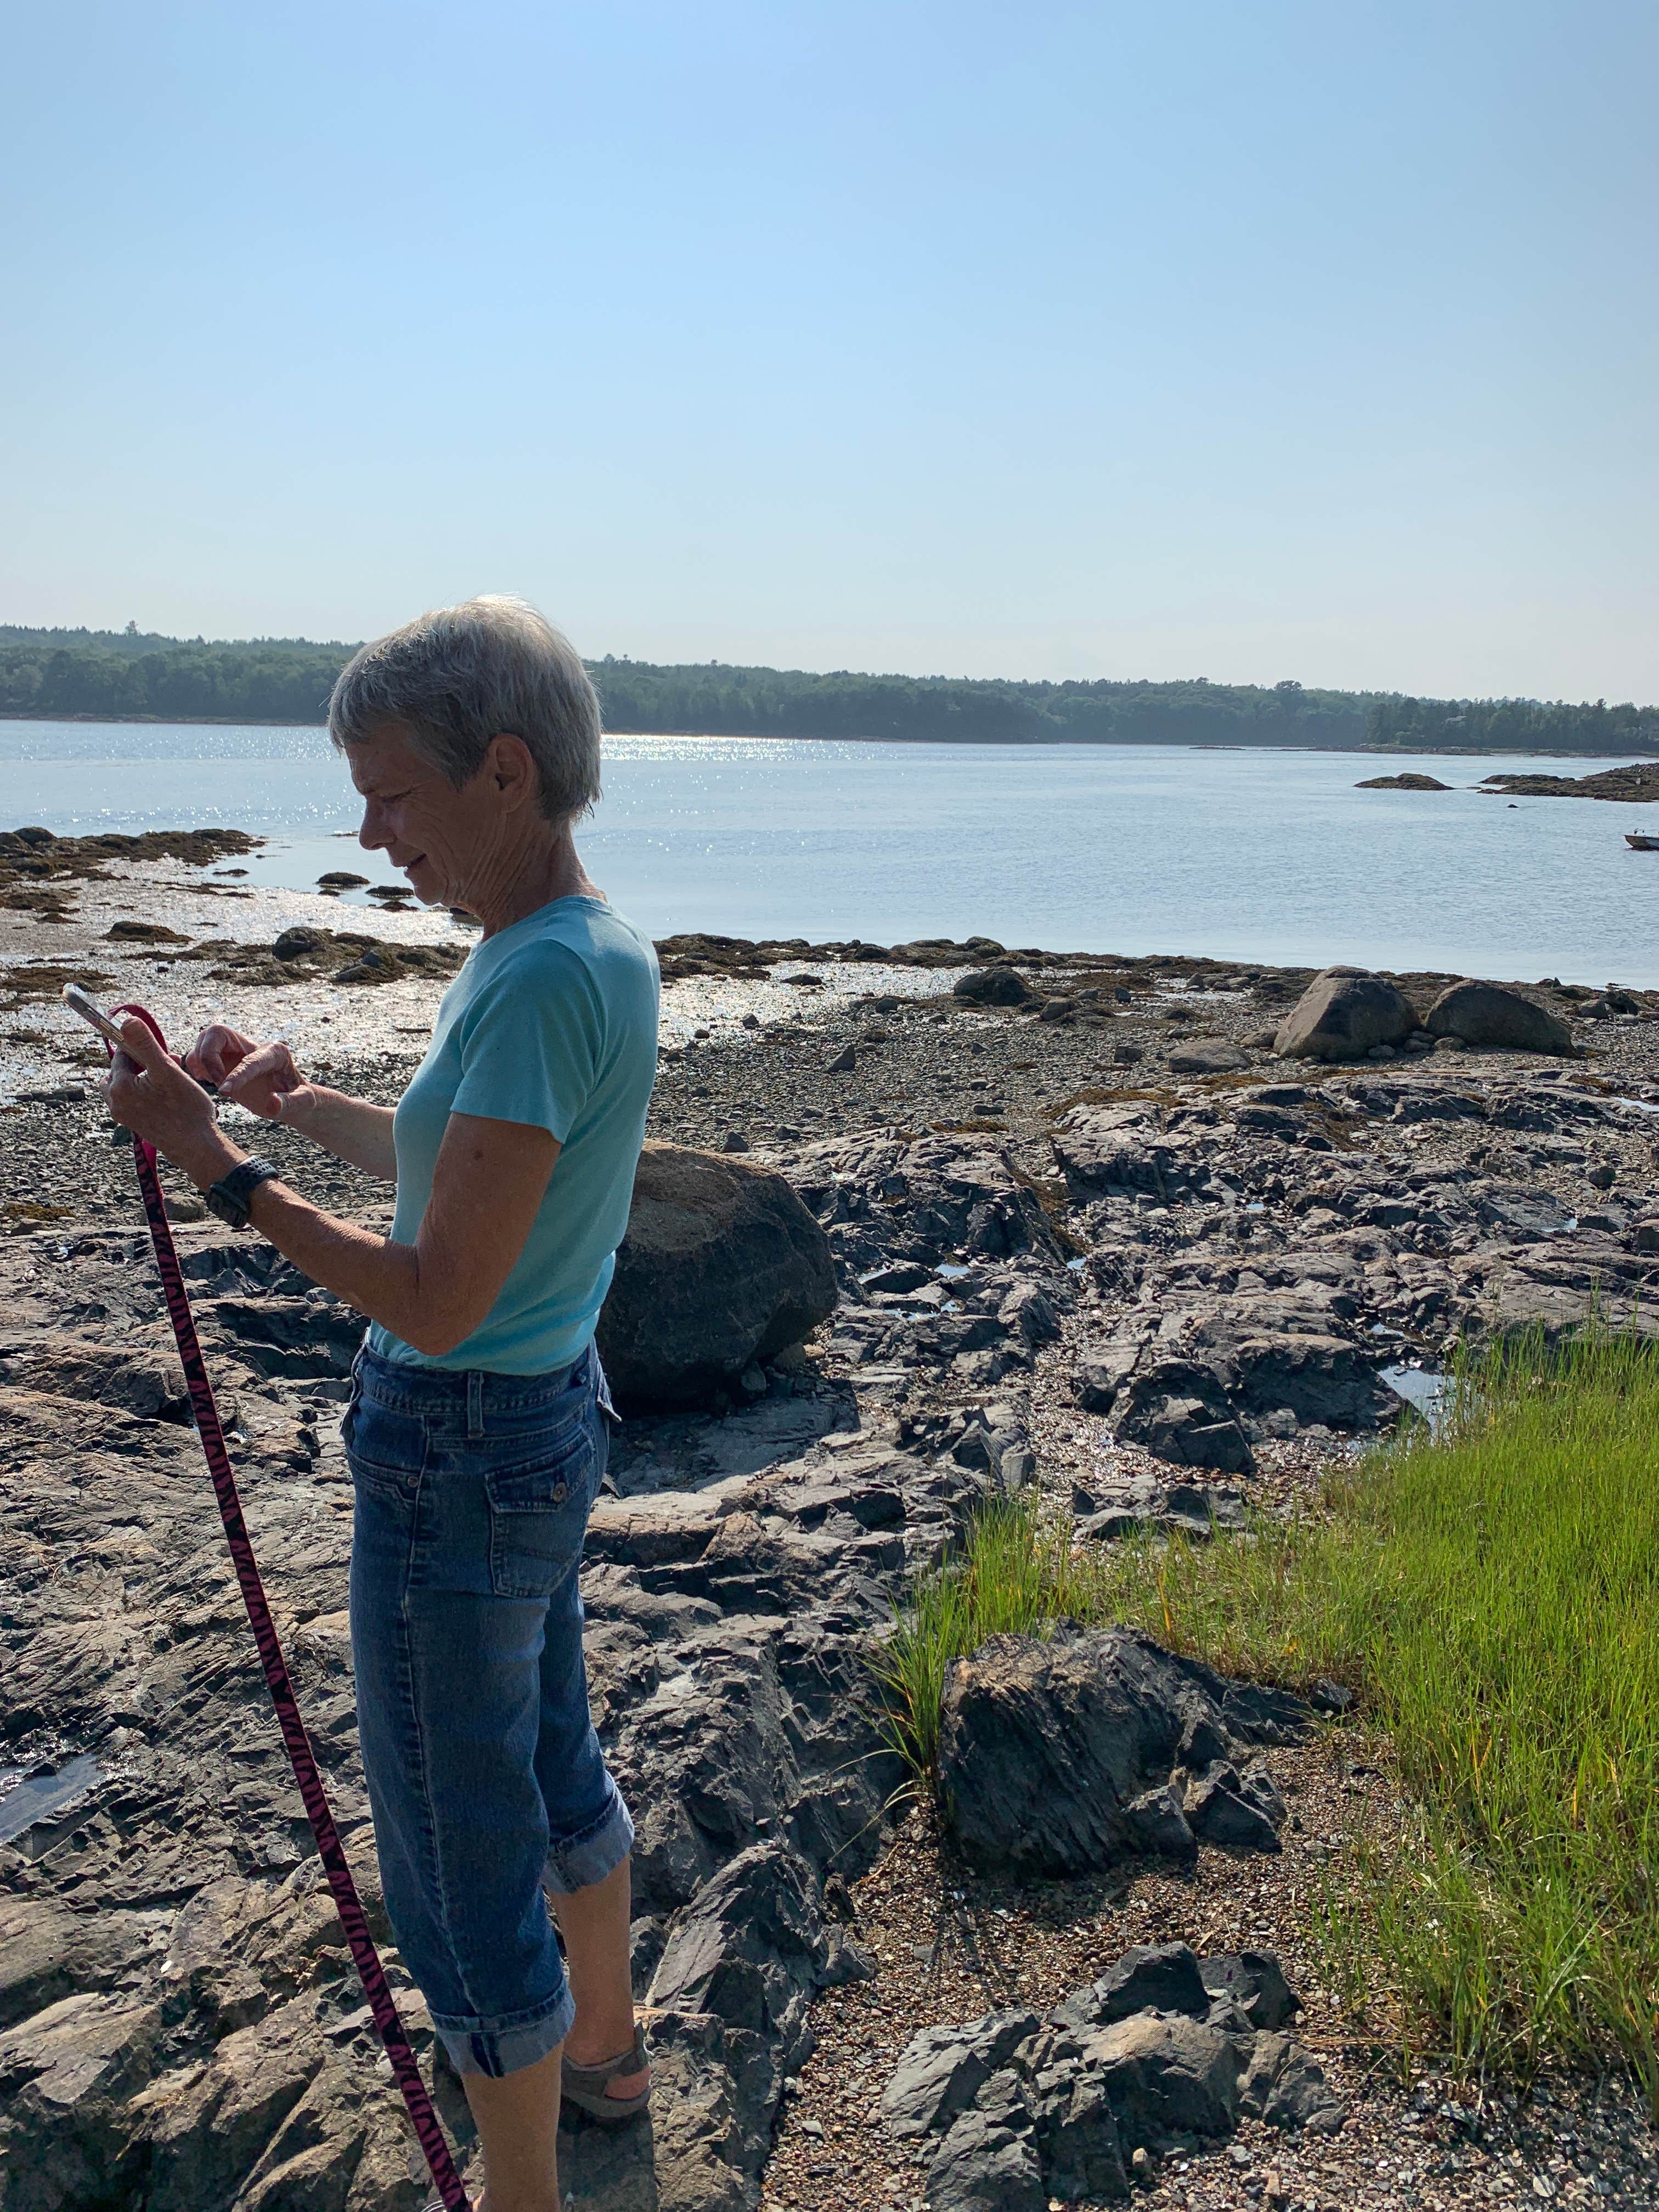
(261,1077)
(149,1093)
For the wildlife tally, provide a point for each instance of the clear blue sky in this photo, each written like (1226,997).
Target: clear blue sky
(1241,338)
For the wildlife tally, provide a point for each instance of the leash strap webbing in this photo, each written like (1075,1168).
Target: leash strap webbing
(347,1903)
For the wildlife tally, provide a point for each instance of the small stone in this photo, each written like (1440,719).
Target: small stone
(843,1063)
(734,1141)
(1127,1055)
(749,1021)
(1141,2164)
(1382,1052)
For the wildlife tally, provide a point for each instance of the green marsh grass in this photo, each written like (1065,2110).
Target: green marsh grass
(1492,1595)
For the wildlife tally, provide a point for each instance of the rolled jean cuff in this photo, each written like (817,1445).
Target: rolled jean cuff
(578,1861)
(505,2046)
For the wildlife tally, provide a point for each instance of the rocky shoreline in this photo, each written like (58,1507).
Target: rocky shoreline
(1100,1238)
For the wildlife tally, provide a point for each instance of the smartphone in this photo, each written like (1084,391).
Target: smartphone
(82,1003)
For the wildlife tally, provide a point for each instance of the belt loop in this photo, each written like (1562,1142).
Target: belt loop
(474,1426)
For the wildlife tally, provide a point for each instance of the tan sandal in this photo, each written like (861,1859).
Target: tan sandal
(588,2088)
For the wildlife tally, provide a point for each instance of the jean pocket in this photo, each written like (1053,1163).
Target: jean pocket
(538,1513)
(384,1450)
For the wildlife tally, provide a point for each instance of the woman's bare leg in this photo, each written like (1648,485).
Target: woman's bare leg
(518,2117)
(593,1922)
(518,2113)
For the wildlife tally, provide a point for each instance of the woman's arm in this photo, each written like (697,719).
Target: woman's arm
(490,1178)
(348,1127)
(264,1078)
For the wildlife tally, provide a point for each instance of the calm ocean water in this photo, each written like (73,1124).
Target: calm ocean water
(1129,848)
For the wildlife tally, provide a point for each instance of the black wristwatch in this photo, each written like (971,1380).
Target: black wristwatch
(229,1197)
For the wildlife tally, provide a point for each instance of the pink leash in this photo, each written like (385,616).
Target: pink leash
(365,1957)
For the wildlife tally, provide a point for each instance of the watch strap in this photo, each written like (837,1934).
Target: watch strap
(229,1197)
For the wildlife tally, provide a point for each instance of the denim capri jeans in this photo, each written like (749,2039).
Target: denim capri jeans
(485,1777)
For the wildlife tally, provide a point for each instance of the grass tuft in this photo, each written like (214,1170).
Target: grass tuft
(1492,1595)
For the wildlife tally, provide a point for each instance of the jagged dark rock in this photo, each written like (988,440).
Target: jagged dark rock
(1005,2111)
(1046,1747)
(1254,1981)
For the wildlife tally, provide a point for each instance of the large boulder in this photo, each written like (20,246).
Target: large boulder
(1488,1014)
(1342,1015)
(993,987)
(722,1264)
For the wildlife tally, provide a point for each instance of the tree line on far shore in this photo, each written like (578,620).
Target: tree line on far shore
(122,675)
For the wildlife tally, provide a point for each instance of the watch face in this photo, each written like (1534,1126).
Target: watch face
(226,1207)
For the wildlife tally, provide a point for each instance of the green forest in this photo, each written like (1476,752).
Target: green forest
(134,675)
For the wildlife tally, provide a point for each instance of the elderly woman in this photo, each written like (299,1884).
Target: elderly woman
(475,1431)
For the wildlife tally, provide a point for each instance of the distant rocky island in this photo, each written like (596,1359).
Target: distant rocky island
(131,675)
(1638,783)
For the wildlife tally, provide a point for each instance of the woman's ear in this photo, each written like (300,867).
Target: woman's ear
(513,769)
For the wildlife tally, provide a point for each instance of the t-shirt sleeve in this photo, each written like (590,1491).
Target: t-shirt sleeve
(530,1042)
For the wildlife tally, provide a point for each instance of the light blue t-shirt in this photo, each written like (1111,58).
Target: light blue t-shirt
(552,1022)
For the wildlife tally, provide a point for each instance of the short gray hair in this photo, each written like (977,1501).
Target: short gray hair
(459,676)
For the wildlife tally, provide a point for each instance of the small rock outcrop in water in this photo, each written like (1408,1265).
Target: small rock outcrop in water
(1343,1015)
(1411,782)
(1062,1758)
(1008,2113)
(722,1265)
(1487,1014)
